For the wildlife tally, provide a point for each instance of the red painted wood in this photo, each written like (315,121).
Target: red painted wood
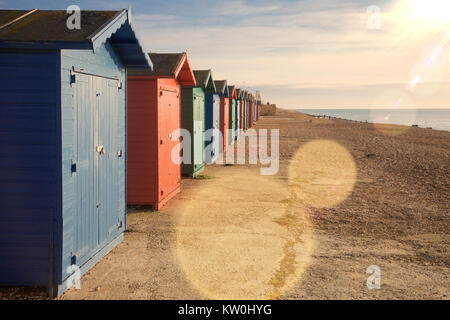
(224,120)
(153,114)
(241,123)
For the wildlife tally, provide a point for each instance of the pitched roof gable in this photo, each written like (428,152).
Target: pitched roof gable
(47,29)
(204,79)
(222,88)
(239,93)
(232,92)
(169,65)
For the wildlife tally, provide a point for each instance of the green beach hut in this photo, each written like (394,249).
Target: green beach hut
(193,120)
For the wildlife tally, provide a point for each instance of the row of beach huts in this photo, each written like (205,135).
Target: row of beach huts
(90,122)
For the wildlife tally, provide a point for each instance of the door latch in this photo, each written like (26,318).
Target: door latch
(73,77)
(100,149)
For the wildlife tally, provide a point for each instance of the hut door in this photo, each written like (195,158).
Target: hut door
(169,118)
(216,113)
(216,124)
(108,159)
(96,101)
(86,218)
(238,115)
(198,131)
(232,121)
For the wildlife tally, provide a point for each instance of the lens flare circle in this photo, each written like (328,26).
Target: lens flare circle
(241,237)
(322,174)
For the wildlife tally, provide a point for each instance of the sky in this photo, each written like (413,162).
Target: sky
(303,53)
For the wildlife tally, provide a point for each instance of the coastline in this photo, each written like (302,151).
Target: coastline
(324,116)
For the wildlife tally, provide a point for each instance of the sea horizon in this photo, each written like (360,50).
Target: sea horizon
(435,118)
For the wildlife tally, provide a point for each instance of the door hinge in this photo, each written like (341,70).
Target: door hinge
(119,224)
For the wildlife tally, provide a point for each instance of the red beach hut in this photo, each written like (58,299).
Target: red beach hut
(153,115)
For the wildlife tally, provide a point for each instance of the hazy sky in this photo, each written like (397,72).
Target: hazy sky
(304,53)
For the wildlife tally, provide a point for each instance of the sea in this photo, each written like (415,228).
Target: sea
(438,119)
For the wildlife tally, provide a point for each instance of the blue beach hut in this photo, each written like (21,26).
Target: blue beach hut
(238,112)
(62,146)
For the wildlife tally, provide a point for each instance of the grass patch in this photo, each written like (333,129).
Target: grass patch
(203,177)
(287,269)
(139,209)
(287,220)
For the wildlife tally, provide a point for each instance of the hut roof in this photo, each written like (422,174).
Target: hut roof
(204,79)
(232,92)
(169,65)
(239,93)
(222,87)
(47,29)
(165,64)
(51,25)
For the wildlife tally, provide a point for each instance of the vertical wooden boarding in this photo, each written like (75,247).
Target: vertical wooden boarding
(109,221)
(98,158)
(173,145)
(198,141)
(238,119)
(86,224)
(216,123)
(169,118)
(231,123)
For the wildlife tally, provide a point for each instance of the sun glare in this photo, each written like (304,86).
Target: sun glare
(431,9)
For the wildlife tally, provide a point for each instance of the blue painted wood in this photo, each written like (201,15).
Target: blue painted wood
(102,71)
(51,216)
(232,122)
(212,121)
(28,164)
